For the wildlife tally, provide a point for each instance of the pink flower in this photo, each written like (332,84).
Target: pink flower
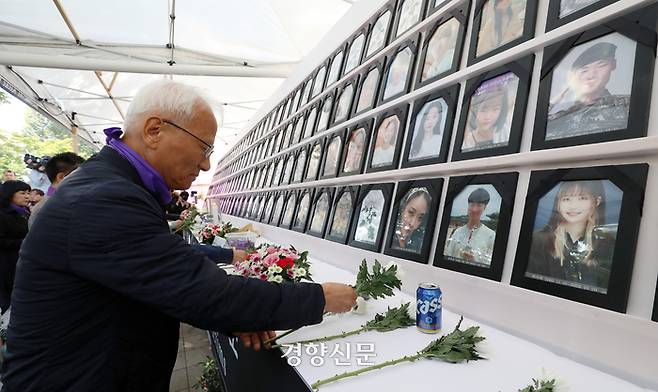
(263,277)
(271,249)
(271,259)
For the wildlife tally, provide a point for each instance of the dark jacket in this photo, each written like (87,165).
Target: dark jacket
(13,228)
(101,285)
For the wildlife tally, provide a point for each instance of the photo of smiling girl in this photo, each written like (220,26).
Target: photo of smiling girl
(575,247)
(412,220)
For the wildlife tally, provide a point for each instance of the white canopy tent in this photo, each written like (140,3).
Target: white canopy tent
(80,62)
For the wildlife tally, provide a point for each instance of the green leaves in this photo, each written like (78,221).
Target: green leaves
(540,386)
(457,346)
(393,319)
(378,284)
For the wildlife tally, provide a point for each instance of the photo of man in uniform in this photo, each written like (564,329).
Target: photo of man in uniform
(583,103)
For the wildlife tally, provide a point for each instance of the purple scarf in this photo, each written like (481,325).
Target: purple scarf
(19,209)
(51,191)
(152,180)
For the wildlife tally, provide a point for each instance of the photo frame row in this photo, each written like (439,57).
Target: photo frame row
(576,241)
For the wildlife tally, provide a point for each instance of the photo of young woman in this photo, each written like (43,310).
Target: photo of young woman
(355,149)
(502,22)
(412,220)
(489,114)
(440,50)
(341,221)
(368,89)
(344,102)
(385,142)
(396,79)
(378,33)
(320,213)
(428,130)
(575,246)
(331,159)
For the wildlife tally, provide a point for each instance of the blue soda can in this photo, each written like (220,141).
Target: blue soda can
(428,308)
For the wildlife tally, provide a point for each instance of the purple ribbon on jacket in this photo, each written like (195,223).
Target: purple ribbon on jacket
(153,181)
(19,209)
(51,191)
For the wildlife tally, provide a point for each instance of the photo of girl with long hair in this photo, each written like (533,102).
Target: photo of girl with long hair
(441,50)
(428,130)
(341,221)
(489,114)
(501,22)
(412,219)
(385,142)
(575,247)
(355,148)
(320,213)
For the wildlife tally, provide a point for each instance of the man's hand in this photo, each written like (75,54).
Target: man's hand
(338,297)
(239,255)
(255,339)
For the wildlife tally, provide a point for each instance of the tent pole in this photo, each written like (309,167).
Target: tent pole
(75,141)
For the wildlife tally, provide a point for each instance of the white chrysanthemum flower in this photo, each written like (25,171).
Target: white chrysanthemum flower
(361,306)
(276,279)
(301,271)
(274,269)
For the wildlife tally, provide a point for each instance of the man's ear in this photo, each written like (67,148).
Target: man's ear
(59,177)
(152,131)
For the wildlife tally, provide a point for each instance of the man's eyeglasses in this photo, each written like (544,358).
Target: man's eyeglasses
(206,151)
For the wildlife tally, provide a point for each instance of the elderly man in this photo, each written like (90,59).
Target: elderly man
(102,284)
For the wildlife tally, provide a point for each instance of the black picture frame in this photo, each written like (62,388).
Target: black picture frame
(352,84)
(298,224)
(319,194)
(639,27)
(388,8)
(327,98)
(327,143)
(377,65)
(450,96)
(310,120)
(308,176)
(412,45)
(361,32)
(401,112)
(281,199)
(297,168)
(460,15)
(522,69)
(315,90)
(433,187)
(291,197)
(367,127)
(631,181)
(306,93)
(387,191)
(277,172)
(504,185)
(398,17)
(553,19)
(654,315)
(526,34)
(267,213)
(336,61)
(289,162)
(353,192)
(432,8)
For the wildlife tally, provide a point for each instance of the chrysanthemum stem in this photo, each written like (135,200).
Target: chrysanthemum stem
(324,338)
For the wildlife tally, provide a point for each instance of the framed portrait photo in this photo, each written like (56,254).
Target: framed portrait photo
(302,212)
(343,104)
(430,128)
(366,96)
(288,167)
(269,207)
(475,224)
(493,111)
(278,170)
(499,25)
(295,101)
(355,50)
(287,132)
(596,86)
(355,149)
(320,209)
(310,122)
(301,158)
(298,129)
(336,66)
(398,73)
(314,161)
(379,30)
(279,202)
(409,13)
(289,208)
(318,80)
(561,12)
(413,219)
(324,112)
(370,216)
(333,154)
(341,214)
(387,139)
(306,93)
(579,233)
(442,46)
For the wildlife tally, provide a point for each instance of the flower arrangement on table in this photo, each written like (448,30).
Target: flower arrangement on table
(275,264)
(211,230)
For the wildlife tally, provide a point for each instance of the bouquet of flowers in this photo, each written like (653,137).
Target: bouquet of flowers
(227,228)
(190,217)
(275,264)
(208,233)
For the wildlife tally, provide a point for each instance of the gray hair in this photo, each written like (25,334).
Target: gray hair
(166,96)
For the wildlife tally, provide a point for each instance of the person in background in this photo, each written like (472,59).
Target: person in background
(183,200)
(57,168)
(35,196)
(14,201)
(8,175)
(103,285)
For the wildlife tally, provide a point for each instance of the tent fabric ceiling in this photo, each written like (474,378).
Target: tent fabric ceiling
(205,32)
